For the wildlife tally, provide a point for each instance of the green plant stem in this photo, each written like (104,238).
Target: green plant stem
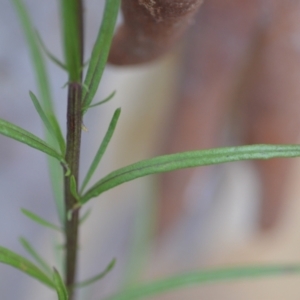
(80,18)
(72,157)
(74,124)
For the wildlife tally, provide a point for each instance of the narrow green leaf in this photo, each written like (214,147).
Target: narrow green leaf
(49,54)
(39,220)
(38,61)
(102,148)
(73,188)
(57,183)
(85,216)
(100,51)
(8,257)
(101,102)
(29,248)
(36,56)
(191,159)
(203,277)
(41,113)
(56,133)
(97,277)
(70,30)
(17,133)
(60,286)
(42,79)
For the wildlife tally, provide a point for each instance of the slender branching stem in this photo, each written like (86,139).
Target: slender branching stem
(74,125)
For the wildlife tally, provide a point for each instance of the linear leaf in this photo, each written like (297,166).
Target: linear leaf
(203,277)
(36,56)
(38,63)
(39,220)
(73,188)
(49,54)
(85,216)
(29,248)
(100,51)
(70,30)
(41,113)
(8,257)
(102,148)
(17,133)
(56,133)
(43,84)
(60,286)
(97,277)
(191,159)
(100,102)
(57,183)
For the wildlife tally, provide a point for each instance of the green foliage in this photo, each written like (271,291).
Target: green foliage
(60,287)
(71,28)
(100,52)
(191,159)
(38,62)
(97,277)
(50,55)
(101,102)
(8,257)
(73,187)
(39,260)
(39,220)
(42,79)
(54,131)
(203,277)
(85,216)
(17,133)
(102,148)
